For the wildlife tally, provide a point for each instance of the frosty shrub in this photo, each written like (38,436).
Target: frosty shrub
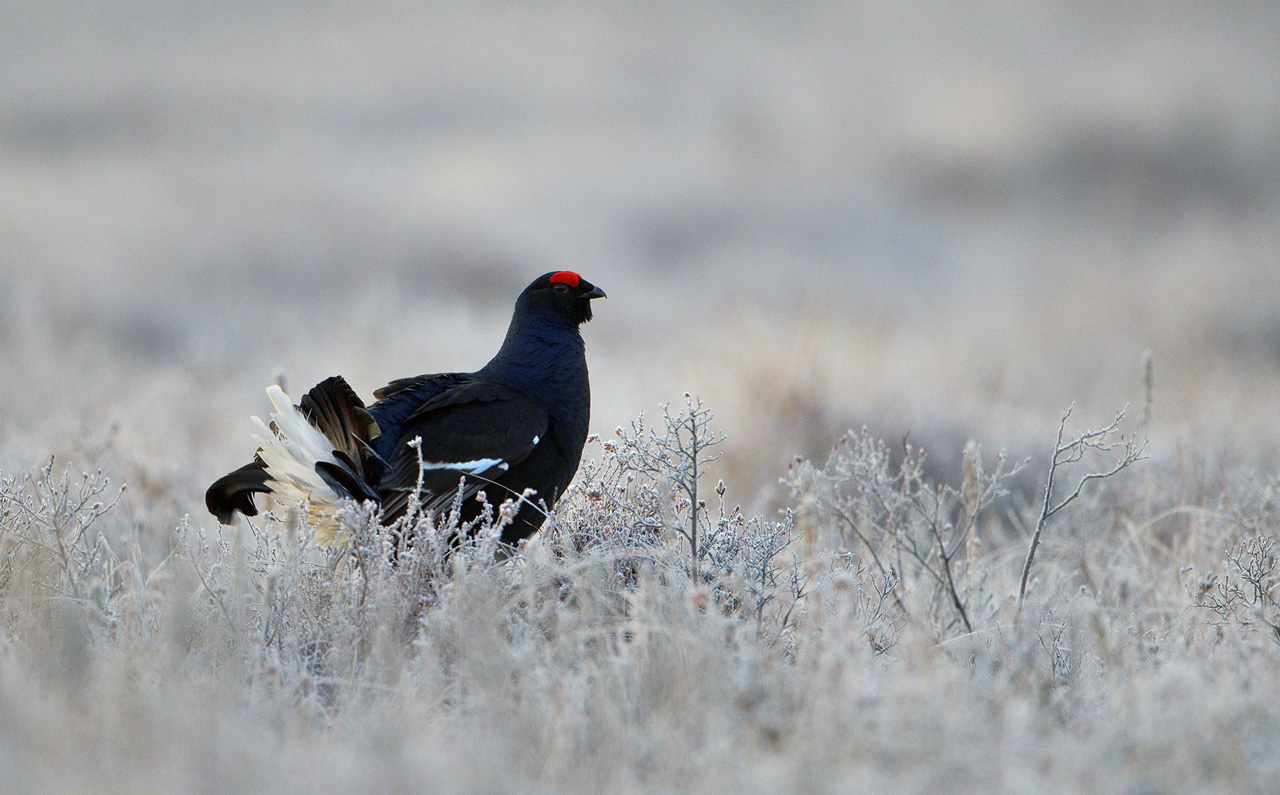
(1246,593)
(640,502)
(917,537)
(674,458)
(52,541)
(1242,590)
(326,616)
(653,631)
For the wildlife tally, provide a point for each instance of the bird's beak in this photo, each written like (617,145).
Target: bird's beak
(596,292)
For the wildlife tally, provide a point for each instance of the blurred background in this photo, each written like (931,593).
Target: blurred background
(936,218)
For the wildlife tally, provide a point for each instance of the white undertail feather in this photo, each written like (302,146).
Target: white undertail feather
(291,454)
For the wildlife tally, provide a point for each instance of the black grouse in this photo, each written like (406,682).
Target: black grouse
(519,422)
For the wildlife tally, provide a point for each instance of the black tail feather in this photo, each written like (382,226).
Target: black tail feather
(234,492)
(335,410)
(344,477)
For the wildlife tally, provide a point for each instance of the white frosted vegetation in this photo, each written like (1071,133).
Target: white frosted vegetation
(867,636)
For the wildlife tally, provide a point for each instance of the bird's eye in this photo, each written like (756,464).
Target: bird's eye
(561,288)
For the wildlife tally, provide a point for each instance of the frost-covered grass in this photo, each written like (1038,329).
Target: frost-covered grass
(869,636)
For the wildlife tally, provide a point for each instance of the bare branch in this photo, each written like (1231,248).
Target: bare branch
(1107,440)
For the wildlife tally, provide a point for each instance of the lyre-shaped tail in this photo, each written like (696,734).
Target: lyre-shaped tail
(317,451)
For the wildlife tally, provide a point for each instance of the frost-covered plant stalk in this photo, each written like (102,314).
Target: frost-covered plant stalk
(676,455)
(1109,442)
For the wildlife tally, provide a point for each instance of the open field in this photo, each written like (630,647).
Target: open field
(946,223)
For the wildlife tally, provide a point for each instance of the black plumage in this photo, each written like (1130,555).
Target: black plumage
(519,422)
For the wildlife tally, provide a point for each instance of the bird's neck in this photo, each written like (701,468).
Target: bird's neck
(545,358)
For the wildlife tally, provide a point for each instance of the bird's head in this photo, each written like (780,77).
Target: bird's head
(564,294)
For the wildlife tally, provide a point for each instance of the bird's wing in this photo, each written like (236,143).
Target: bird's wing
(404,384)
(398,400)
(477,430)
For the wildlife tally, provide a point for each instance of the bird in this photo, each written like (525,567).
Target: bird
(515,428)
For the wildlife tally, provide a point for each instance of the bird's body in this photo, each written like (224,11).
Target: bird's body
(519,423)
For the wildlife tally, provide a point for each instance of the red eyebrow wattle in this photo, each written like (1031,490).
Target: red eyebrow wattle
(566,277)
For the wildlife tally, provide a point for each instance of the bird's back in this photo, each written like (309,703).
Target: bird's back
(398,400)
